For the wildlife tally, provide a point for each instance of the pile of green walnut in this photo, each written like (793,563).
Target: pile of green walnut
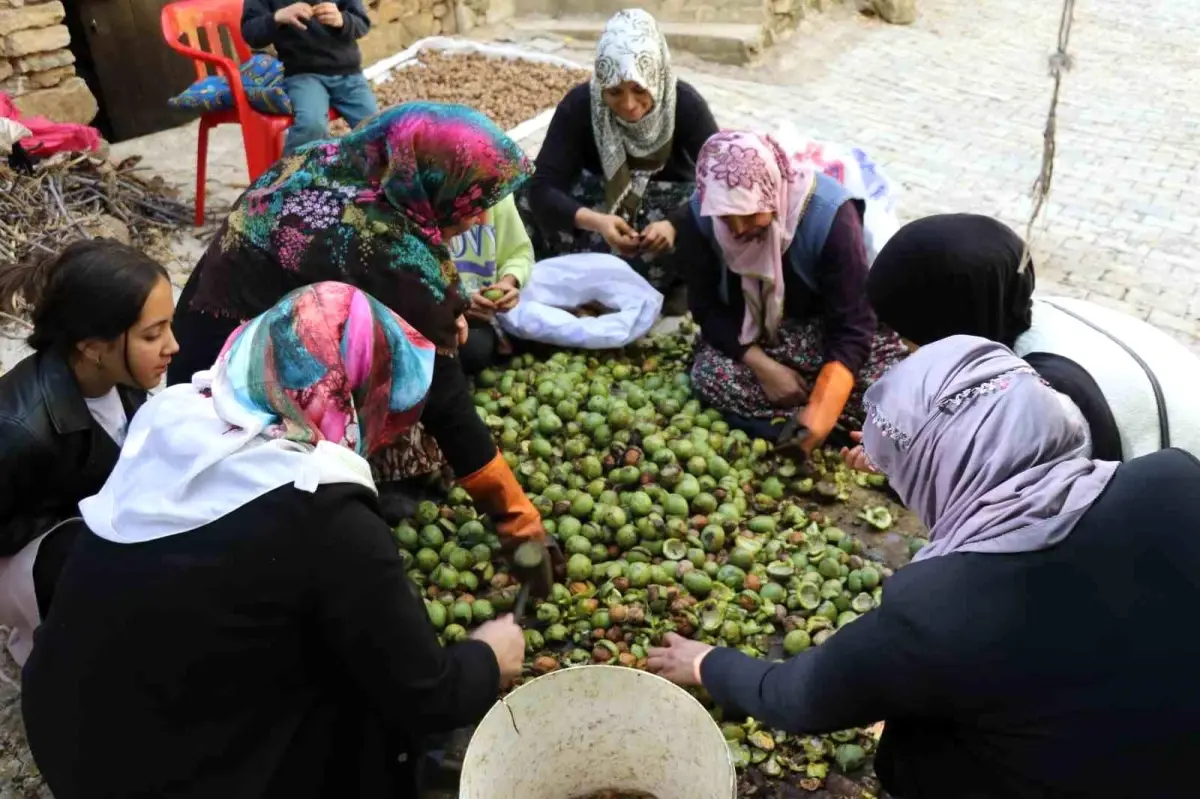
(670,522)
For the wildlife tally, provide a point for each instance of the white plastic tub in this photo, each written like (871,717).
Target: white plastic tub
(590,728)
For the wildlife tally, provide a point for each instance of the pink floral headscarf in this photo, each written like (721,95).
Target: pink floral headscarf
(740,173)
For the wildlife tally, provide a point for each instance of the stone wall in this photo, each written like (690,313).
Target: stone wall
(395,24)
(36,68)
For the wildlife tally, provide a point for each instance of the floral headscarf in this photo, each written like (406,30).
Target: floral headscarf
(327,363)
(367,210)
(632,49)
(299,396)
(740,173)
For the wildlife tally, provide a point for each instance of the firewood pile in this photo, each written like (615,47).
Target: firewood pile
(76,196)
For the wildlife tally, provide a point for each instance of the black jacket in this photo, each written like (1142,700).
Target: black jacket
(279,651)
(52,452)
(318,50)
(1057,674)
(570,149)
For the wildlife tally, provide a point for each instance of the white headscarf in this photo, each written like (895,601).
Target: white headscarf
(632,49)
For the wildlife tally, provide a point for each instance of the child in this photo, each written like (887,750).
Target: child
(321,60)
(494,259)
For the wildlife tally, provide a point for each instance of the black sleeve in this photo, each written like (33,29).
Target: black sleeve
(450,417)
(258,24)
(872,670)
(720,324)
(375,622)
(355,23)
(1067,377)
(842,280)
(560,162)
(694,122)
(23,461)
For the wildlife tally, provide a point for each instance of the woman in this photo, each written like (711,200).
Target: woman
(961,274)
(374,210)
(794,310)
(238,621)
(1031,649)
(101,315)
(620,156)
(495,259)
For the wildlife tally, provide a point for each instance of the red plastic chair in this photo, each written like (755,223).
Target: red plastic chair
(262,134)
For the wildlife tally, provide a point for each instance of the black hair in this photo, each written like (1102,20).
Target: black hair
(95,288)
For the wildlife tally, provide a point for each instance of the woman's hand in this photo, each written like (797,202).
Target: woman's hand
(678,661)
(482,309)
(511,296)
(856,457)
(507,641)
(784,387)
(619,235)
(464,330)
(658,237)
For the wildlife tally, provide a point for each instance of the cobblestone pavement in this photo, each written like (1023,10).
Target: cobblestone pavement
(954,108)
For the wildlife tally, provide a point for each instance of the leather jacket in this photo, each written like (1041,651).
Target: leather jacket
(52,452)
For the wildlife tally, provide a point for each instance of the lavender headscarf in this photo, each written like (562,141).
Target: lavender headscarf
(981,449)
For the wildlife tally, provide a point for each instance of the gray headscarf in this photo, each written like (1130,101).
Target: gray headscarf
(985,452)
(632,49)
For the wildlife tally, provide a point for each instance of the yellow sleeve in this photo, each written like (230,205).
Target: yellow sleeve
(514,250)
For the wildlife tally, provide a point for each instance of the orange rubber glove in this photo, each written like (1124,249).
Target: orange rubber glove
(496,492)
(826,403)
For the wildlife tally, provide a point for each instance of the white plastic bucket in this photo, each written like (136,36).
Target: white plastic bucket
(590,728)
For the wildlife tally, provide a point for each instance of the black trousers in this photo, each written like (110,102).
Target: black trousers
(480,350)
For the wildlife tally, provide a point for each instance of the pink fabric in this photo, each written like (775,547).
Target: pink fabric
(50,137)
(740,173)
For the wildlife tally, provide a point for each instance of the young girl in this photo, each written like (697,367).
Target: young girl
(101,315)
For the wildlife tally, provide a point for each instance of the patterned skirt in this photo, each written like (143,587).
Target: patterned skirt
(660,199)
(731,387)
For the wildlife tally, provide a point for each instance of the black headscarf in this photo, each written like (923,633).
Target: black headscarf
(953,274)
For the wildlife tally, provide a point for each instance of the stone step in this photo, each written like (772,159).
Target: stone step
(735,44)
(738,12)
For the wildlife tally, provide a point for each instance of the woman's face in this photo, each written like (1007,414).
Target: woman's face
(748,227)
(461,227)
(629,101)
(141,355)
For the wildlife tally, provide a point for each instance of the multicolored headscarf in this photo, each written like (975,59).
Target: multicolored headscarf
(740,173)
(328,363)
(299,397)
(367,210)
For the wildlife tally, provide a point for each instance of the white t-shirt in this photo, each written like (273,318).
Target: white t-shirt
(109,413)
(1084,332)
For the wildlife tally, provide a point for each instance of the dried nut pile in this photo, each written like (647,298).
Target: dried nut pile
(507,90)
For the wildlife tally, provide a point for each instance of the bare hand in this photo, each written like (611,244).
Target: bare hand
(464,330)
(482,309)
(295,15)
(619,235)
(784,387)
(507,641)
(856,457)
(658,237)
(512,293)
(328,14)
(678,661)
